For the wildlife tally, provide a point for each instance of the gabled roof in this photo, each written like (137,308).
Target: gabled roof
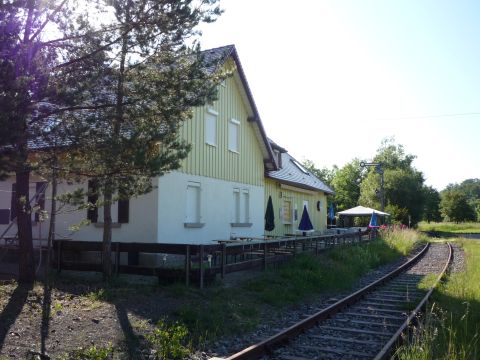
(291,172)
(218,56)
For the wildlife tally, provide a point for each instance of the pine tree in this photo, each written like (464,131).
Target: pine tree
(141,89)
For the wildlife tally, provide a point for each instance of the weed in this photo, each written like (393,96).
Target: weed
(168,340)
(91,353)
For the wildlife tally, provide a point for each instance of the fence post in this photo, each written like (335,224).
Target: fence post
(59,256)
(316,246)
(224,260)
(201,267)
(187,265)
(265,255)
(117,258)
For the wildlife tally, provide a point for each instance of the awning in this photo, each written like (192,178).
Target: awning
(362,211)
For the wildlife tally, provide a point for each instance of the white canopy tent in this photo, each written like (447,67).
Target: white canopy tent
(362,211)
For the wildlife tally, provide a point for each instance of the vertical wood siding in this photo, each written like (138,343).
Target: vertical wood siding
(246,166)
(318,218)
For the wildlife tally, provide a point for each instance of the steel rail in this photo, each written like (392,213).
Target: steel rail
(266,346)
(397,337)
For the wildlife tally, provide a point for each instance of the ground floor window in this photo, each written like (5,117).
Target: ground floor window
(193,206)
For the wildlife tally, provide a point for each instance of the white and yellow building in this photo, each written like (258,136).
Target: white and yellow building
(219,192)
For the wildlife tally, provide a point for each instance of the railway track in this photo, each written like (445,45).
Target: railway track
(364,325)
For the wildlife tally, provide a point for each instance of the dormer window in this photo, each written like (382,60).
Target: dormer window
(278,157)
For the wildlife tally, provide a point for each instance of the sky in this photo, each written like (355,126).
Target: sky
(332,78)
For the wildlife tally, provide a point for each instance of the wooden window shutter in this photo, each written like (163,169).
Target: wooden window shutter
(92,214)
(13,204)
(123,209)
(40,188)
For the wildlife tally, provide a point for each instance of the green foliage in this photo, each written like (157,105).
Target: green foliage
(452,329)
(346,183)
(92,353)
(403,185)
(168,340)
(402,240)
(455,206)
(325,174)
(431,211)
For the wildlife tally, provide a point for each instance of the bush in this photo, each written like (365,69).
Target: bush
(92,353)
(168,340)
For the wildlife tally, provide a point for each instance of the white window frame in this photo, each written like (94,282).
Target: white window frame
(236,205)
(246,205)
(234,124)
(211,135)
(287,219)
(197,222)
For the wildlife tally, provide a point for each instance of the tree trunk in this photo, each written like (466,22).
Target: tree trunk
(26,263)
(107,233)
(53,216)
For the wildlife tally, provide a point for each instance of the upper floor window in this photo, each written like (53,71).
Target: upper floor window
(211,127)
(233,134)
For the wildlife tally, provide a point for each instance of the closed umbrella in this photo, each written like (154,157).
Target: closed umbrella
(269,216)
(373,221)
(305,223)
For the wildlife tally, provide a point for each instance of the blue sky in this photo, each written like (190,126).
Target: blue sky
(333,78)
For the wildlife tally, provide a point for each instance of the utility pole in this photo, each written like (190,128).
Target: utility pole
(379,170)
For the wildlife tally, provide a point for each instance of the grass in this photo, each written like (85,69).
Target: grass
(452,326)
(456,228)
(222,311)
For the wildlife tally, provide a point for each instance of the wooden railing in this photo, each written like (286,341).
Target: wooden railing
(226,257)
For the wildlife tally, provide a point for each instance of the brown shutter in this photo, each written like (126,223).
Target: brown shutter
(92,214)
(123,211)
(13,204)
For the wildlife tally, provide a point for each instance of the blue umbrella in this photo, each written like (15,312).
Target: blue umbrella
(331,213)
(305,223)
(373,221)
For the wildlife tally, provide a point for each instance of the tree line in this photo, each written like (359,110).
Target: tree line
(97,89)
(407,198)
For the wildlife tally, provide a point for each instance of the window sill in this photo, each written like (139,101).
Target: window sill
(234,151)
(211,144)
(191,225)
(114,225)
(243,225)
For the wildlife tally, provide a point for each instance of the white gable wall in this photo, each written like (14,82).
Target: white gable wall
(216,210)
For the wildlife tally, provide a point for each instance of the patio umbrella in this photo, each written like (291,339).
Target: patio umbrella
(373,221)
(269,216)
(331,213)
(305,223)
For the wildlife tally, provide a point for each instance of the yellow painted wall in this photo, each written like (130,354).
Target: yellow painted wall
(318,218)
(246,166)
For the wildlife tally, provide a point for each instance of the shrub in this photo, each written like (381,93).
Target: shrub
(168,340)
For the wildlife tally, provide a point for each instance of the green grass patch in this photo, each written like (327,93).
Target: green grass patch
(456,228)
(452,326)
(91,353)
